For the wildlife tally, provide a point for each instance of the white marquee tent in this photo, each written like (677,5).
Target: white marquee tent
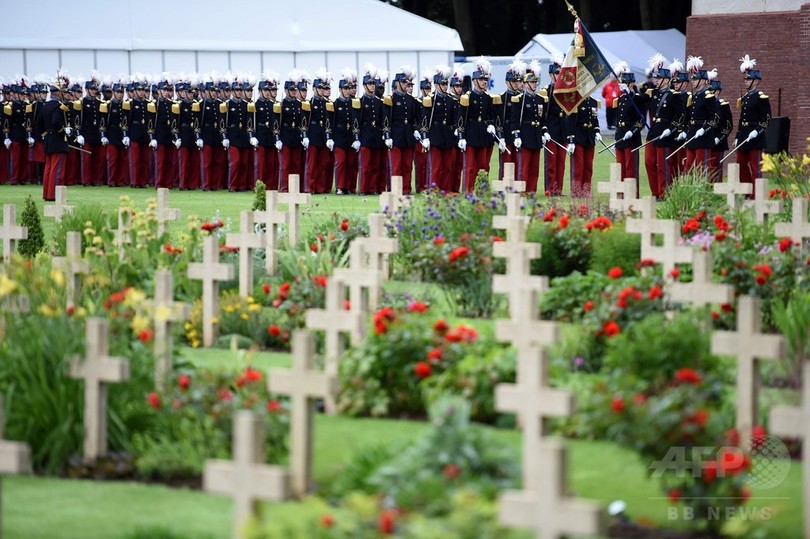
(126,36)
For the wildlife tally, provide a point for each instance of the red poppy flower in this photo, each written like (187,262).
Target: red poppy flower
(438,240)
(497,239)
(563,222)
(733,461)
(422,369)
(320,280)
(154,400)
(274,330)
(655,292)
(617,405)
(146,335)
(647,263)
(386,521)
(785,244)
(690,226)
(380,327)
(549,216)
(314,247)
(70,309)
(588,306)
(760,280)
(344,225)
(615,272)
(458,252)
(440,326)
(434,355)
(764,269)
(327,520)
(266,289)
(687,376)
(184,382)
(417,307)
(611,328)
(273,406)
(675,273)
(720,236)
(225,394)
(726,308)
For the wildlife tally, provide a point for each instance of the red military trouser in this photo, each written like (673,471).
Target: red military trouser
(402,165)
(53,175)
(581,170)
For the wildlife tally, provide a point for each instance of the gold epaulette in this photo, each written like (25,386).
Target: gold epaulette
(497,100)
(543,93)
(723,101)
(151,108)
(688,100)
(515,98)
(126,105)
(7,110)
(29,108)
(388,101)
(709,95)
(330,106)
(615,104)
(598,104)
(464,100)
(175,108)
(251,107)
(223,107)
(306,106)
(739,102)
(277,107)
(195,106)
(649,92)
(103,108)
(355,103)
(427,101)
(77,105)
(762,96)
(63,107)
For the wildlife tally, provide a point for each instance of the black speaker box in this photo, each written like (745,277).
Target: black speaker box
(777,136)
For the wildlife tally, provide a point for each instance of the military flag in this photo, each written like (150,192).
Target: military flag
(582,71)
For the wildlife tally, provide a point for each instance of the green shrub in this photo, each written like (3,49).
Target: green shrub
(85,216)
(615,247)
(260,198)
(565,248)
(688,195)
(36,238)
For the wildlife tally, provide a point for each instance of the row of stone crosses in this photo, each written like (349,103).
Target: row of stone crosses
(543,504)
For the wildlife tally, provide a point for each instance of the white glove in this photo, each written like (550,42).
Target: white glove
(104,141)
(125,142)
(226,143)
(178,143)
(491,130)
(570,149)
(426,144)
(30,141)
(68,131)
(700,132)
(716,141)
(623,87)
(502,145)
(356,145)
(665,133)
(389,143)
(305,142)
(278,145)
(598,136)
(752,135)
(254,141)
(519,143)
(628,135)
(153,144)
(681,136)
(462,144)
(546,138)
(80,140)
(417,135)
(7,143)
(330,144)
(199,143)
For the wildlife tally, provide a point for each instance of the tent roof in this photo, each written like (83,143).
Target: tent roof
(237,25)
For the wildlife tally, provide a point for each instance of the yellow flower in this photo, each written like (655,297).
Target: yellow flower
(243,316)
(80,312)
(98,240)
(250,299)
(139,323)
(229,309)
(46,310)
(163,313)
(215,320)
(7,286)
(254,307)
(58,278)
(134,298)
(186,326)
(89,232)
(767,163)
(805,160)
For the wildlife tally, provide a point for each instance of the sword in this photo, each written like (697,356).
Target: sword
(560,145)
(729,154)
(651,140)
(682,146)
(72,147)
(607,148)
(546,148)
(498,140)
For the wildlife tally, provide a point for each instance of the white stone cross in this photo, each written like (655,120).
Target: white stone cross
(163,213)
(513,222)
(379,245)
(798,229)
(60,207)
(247,479)
(15,458)
(618,187)
(302,384)
(122,233)
(762,203)
(733,187)
(794,422)
(395,199)
(271,218)
(749,346)
(361,278)
(210,271)
(73,265)
(246,240)
(294,199)
(701,291)
(97,369)
(166,311)
(668,254)
(10,233)
(509,184)
(548,510)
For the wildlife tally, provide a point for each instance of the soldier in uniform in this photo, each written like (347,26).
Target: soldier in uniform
(53,123)
(16,140)
(318,131)
(724,126)
(165,128)
(680,87)
(92,164)
(629,121)
(477,126)
(437,132)
(420,154)
(402,112)
(187,117)
(212,154)
(503,118)
(73,166)
(345,133)
(114,135)
(454,91)
(669,118)
(703,117)
(266,155)
(288,135)
(370,117)
(528,129)
(553,120)
(4,123)
(755,116)
(303,84)
(140,125)
(582,130)
(36,150)
(236,139)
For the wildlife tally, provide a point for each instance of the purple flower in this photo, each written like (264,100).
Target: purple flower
(579,362)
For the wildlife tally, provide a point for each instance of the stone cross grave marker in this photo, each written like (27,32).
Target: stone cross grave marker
(247,479)
(12,304)
(210,271)
(246,240)
(334,321)
(365,284)
(548,510)
(508,183)
(668,254)
(794,422)
(14,460)
(732,186)
(60,206)
(798,229)
(73,265)
(302,384)
(122,233)
(749,346)
(762,203)
(701,291)
(166,311)
(271,218)
(10,233)
(294,199)
(378,245)
(627,189)
(97,369)
(163,212)
(395,199)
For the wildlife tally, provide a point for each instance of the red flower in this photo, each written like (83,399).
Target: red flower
(690,226)
(347,305)
(726,308)
(171,249)
(211,226)
(758,435)
(588,306)
(461,333)
(733,461)
(458,252)
(327,520)
(617,405)
(440,326)
(700,216)
(146,335)
(760,280)
(273,406)
(764,269)
(785,244)
(563,222)
(451,471)
(253,375)
(154,400)
(745,493)
(229,249)
(687,376)
(422,369)
(715,315)
(320,280)
(386,521)
(438,240)
(283,290)
(675,273)
(700,418)
(549,216)
(611,328)
(674,495)
(225,394)
(434,355)
(720,236)
(647,263)
(314,247)
(721,223)
(344,225)
(70,310)
(274,330)
(380,327)
(615,272)
(710,472)
(639,398)
(266,289)
(417,307)
(655,292)
(600,223)
(184,382)
(733,437)
(497,239)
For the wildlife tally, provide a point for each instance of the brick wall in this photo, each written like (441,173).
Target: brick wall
(780,42)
